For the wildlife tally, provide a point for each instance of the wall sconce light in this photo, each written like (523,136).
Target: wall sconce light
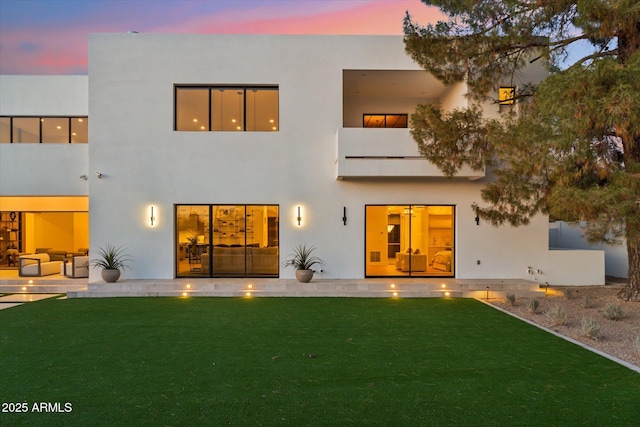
(84,176)
(299,217)
(152,218)
(344,215)
(476,209)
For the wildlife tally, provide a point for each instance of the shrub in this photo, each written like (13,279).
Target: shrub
(590,328)
(613,312)
(568,293)
(533,306)
(557,315)
(511,298)
(587,302)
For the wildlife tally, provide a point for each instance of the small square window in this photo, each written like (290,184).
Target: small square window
(507,95)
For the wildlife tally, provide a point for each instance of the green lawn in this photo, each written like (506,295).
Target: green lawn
(222,361)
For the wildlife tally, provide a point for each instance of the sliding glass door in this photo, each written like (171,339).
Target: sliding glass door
(227,241)
(409,240)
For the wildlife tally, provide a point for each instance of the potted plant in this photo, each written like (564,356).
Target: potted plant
(111,259)
(302,260)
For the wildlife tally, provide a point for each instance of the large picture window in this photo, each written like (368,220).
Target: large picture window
(227,240)
(410,240)
(226,108)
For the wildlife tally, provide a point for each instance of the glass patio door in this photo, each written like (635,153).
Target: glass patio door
(227,241)
(409,240)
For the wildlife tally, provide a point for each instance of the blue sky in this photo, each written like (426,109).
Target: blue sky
(51,36)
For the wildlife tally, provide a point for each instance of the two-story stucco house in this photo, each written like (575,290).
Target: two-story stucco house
(216,155)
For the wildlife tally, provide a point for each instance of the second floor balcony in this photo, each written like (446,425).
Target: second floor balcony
(385,153)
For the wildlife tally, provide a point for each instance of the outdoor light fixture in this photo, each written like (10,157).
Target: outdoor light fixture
(344,215)
(84,176)
(299,217)
(99,175)
(152,218)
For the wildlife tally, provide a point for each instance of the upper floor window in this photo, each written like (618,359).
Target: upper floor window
(226,108)
(506,98)
(384,120)
(66,130)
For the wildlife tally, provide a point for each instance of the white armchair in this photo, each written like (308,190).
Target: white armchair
(77,266)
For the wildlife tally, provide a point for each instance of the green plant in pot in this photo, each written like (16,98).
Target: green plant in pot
(303,260)
(112,260)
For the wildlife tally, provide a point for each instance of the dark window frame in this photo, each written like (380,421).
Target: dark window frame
(40,121)
(384,115)
(210,235)
(410,274)
(210,87)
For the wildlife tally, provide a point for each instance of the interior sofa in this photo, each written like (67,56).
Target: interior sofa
(418,261)
(234,260)
(37,265)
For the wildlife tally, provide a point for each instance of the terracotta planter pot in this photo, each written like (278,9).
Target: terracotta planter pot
(110,275)
(304,276)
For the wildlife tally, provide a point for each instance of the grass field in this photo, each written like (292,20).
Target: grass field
(299,362)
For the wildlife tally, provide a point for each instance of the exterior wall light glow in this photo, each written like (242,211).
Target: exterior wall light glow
(299,217)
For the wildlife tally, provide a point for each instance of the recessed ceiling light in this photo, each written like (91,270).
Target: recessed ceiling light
(270,120)
(80,120)
(195,120)
(58,127)
(274,128)
(238,127)
(233,120)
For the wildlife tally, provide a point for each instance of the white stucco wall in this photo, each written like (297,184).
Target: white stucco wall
(43,169)
(575,267)
(569,236)
(144,161)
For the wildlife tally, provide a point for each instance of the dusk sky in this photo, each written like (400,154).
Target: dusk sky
(51,36)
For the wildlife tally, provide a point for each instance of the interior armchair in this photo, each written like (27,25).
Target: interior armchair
(77,266)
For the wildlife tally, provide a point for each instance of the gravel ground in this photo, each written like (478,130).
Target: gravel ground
(564,308)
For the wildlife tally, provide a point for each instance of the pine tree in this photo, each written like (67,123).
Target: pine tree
(572,147)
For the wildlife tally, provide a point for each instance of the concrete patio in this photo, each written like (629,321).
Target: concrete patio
(10,282)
